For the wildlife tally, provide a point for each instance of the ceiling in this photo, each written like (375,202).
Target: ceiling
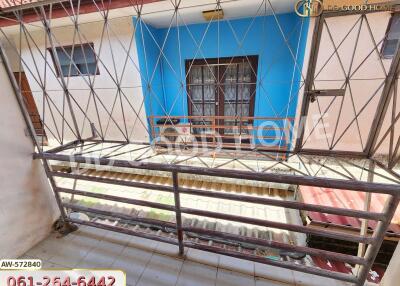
(160,14)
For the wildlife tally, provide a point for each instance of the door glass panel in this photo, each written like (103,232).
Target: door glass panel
(195,75)
(230,92)
(209,74)
(245,72)
(196,93)
(233,130)
(231,74)
(209,93)
(244,92)
(197,109)
(230,109)
(237,96)
(209,109)
(244,109)
(230,104)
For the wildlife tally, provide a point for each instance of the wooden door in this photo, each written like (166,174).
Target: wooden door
(224,88)
(30,104)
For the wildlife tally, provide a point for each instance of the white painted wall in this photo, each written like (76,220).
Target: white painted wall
(27,205)
(392,273)
(117,41)
(363,84)
(113,48)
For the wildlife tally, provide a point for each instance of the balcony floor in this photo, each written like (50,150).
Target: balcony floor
(152,263)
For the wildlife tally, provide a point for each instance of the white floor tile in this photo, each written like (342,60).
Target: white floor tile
(274,273)
(43,249)
(196,274)
(47,264)
(101,256)
(138,258)
(264,282)
(305,279)
(133,262)
(204,257)
(229,278)
(143,243)
(88,232)
(240,265)
(169,249)
(161,271)
(119,238)
(70,252)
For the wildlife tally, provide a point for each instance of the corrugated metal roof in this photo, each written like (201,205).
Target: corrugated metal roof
(345,199)
(12,3)
(375,275)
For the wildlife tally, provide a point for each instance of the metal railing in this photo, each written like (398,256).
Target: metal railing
(240,132)
(363,263)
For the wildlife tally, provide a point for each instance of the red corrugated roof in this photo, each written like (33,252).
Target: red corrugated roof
(12,3)
(345,199)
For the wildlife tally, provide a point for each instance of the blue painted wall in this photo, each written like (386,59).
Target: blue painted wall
(251,36)
(150,68)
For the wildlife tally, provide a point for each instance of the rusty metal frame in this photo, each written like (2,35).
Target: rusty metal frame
(384,100)
(295,177)
(365,262)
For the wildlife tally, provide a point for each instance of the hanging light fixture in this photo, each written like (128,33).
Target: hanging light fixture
(216,14)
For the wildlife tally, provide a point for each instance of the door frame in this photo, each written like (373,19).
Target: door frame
(219,92)
(30,104)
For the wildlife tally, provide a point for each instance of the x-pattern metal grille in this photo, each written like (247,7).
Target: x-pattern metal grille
(349,59)
(77,113)
(82,121)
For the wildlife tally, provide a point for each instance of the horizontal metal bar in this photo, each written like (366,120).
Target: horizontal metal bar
(227,196)
(347,228)
(265,243)
(212,117)
(134,219)
(64,147)
(317,152)
(282,264)
(333,153)
(279,225)
(237,174)
(231,147)
(124,230)
(131,218)
(117,199)
(254,221)
(91,140)
(327,92)
(286,204)
(216,215)
(278,245)
(113,181)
